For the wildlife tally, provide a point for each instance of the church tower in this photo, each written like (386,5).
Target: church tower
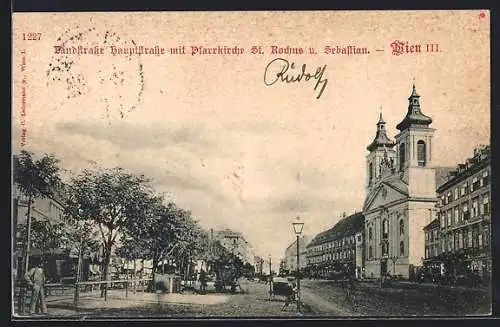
(414,150)
(401,194)
(380,160)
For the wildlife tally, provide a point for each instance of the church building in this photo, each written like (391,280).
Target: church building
(401,194)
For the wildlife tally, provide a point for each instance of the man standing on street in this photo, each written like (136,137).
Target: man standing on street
(203,281)
(35,279)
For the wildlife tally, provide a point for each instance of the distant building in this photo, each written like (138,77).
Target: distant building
(338,247)
(464,225)
(291,254)
(235,243)
(283,270)
(258,264)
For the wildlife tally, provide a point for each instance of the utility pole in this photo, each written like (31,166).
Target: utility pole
(270,278)
(23,287)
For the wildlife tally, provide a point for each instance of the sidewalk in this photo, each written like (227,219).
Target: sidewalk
(91,304)
(254,302)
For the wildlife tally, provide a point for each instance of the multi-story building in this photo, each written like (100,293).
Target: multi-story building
(235,243)
(337,247)
(464,224)
(44,210)
(432,241)
(291,254)
(315,248)
(401,193)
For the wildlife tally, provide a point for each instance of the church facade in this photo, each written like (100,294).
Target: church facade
(400,194)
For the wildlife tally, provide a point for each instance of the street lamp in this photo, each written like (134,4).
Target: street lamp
(297,227)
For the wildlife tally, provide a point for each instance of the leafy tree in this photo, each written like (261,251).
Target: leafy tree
(248,270)
(191,240)
(44,235)
(80,236)
(165,232)
(112,199)
(83,236)
(35,178)
(132,249)
(283,270)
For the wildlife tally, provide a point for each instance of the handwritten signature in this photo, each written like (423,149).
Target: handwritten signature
(278,70)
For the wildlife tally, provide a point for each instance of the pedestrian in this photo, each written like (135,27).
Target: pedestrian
(290,295)
(349,288)
(35,279)
(203,281)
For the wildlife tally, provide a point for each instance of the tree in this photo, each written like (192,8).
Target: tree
(164,232)
(112,199)
(248,270)
(132,249)
(35,178)
(44,235)
(283,270)
(81,236)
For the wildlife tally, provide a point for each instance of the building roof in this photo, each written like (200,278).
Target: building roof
(303,241)
(480,159)
(381,139)
(432,225)
(414,116)
(442,175)
(347,226)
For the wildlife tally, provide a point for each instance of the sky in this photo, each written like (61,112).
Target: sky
(215,139)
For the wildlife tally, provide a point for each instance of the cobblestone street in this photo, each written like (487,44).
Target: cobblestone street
(327,298)
(320,298)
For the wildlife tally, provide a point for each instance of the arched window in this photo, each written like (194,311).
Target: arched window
(401,227)
(385,228)
(421,153)
(370,173)
(402,154)
(401,248)
(370,235)
(370,252)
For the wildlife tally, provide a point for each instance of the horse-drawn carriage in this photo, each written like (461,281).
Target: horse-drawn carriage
(285,287)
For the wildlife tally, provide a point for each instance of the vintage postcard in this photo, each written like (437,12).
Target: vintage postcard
(251,164)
